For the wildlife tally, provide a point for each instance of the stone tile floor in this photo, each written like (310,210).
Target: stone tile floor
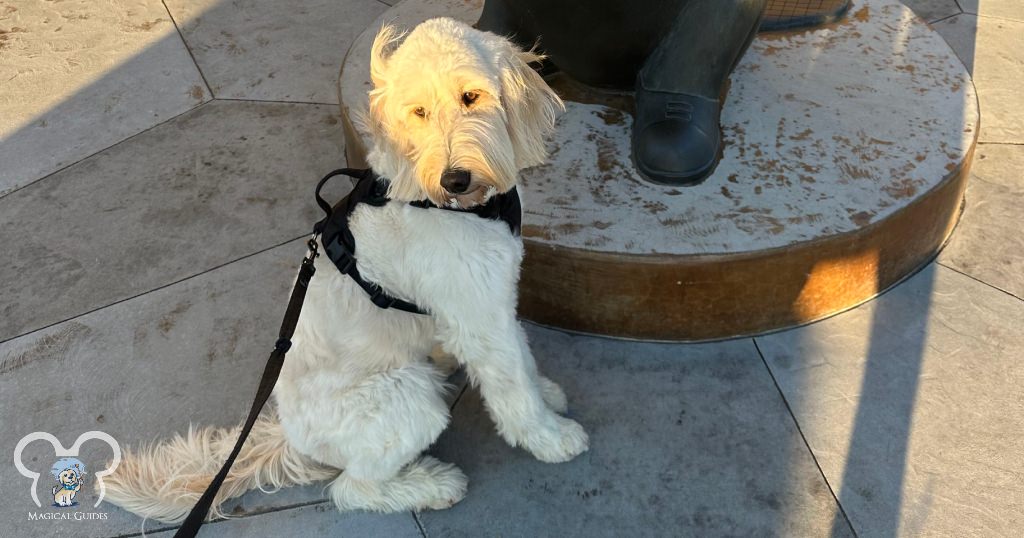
(156,159)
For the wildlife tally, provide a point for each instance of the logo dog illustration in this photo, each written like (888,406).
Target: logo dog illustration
(69,472)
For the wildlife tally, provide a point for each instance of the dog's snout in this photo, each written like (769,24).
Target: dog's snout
(455,180)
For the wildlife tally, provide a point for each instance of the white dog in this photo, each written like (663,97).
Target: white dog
(358,401)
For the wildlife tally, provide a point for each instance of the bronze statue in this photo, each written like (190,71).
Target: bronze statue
(675,54)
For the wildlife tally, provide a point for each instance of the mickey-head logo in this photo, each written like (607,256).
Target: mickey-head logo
(62,452)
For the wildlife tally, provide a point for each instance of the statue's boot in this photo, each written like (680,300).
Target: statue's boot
(676,135)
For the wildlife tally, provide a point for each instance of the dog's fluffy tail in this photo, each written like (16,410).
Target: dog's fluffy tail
(163,481)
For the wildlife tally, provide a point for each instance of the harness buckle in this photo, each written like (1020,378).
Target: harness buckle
(343,258)
(381,299)
(345,263)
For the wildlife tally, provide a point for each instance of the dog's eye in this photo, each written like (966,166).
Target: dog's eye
(468,98)
(420,111)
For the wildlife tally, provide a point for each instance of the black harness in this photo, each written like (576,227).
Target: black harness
(341,249)
(340,245)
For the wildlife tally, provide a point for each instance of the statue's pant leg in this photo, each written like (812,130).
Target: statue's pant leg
(676,137)
(702,47)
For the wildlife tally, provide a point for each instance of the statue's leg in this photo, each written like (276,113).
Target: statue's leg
(597,42)
(676,136)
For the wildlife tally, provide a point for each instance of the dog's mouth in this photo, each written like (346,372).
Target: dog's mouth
(476,195)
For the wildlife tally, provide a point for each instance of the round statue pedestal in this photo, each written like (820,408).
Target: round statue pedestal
(846,149)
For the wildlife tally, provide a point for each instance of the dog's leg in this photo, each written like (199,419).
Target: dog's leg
(382,426)
(424,483)
(553,395)
(520,401)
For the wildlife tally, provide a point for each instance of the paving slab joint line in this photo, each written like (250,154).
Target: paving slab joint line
(248,100)
(189,50)
(799,430)
(144,532)
(459,397)
(151,127)
(978,280)
(997,143)
(271,509)
(947,17)
(419,524)
(158,288)
(97,152)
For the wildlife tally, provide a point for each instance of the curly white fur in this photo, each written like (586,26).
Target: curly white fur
(357,400)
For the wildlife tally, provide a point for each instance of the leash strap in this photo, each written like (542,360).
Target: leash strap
(271,372)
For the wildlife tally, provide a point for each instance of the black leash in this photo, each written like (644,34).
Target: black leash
(195,518)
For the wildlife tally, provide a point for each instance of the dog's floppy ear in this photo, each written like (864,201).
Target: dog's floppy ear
(530,105)
(382,47)
(380,52)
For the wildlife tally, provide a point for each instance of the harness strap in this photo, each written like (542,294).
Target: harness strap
(195,518)
(345,260)
(340,244)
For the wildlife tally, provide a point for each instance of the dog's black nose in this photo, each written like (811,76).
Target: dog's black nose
(455,180)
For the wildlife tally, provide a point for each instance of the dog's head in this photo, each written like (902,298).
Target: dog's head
(68,477)
(456,113)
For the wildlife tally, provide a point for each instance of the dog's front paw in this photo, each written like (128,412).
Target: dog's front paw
(444,484)
(560,442)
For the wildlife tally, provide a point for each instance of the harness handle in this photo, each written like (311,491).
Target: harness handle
(358,173)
